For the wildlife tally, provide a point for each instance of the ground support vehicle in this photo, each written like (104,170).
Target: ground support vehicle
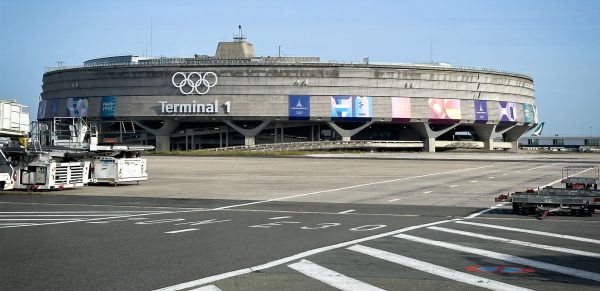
(579,197)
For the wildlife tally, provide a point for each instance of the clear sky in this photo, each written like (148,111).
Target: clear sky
(555,42)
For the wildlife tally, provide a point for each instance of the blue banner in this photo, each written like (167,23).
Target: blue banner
(527,113)
(108,106)
(481,111)
(351,107)
(298,107)
(53,108)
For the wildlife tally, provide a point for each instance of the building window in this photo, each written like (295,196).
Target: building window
(532,141)
(558,142)
(591,142)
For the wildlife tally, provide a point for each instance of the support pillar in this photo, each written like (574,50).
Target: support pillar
(163,143)
(513,136)
(162,134)
(429,135)
(486,134)
(347,133)
(249,134)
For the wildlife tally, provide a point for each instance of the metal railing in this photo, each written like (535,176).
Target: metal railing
(259,61)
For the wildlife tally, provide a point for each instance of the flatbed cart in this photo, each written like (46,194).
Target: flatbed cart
(580,196)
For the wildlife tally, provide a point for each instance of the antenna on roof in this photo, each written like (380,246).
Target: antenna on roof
(241,37)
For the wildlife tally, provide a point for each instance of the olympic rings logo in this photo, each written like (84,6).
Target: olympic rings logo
(197,82)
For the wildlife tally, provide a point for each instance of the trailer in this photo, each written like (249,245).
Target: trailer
(580,196)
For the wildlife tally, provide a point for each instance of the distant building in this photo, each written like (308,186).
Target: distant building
(582,143)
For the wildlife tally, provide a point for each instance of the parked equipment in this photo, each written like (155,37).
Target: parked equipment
(580,196)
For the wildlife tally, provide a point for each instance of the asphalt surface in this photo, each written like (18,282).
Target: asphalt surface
(300,236)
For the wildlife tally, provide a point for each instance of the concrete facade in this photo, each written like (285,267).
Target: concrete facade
(253,92)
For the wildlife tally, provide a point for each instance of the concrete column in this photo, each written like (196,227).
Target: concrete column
(163,143)
(486,134)
(347,134)
(429,144)
(249,134)
(162,134)
(429,135)
(513,134)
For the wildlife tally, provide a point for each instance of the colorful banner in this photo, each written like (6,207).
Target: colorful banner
(77,107)
(481,111)
(401,109)
(527,113)
(444,110)
(108,106)
(507,111)
(351,107)
(298,107)
(535,115)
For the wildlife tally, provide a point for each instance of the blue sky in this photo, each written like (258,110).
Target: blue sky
(555,42)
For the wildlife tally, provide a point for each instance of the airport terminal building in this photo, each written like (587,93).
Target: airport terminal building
(237,98)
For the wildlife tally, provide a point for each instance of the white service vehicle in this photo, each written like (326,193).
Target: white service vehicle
(116,170)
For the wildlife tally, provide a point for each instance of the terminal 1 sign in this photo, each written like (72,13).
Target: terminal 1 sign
(194,107)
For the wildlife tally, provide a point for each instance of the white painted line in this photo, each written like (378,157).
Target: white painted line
(505,257)
(207,280)
(95,219)
(346,211)
(330,277)
(435,269)
(182,230)
(485,210)
(61,215)
(504,174)
(393,200)
(281,217)
(36,219)
(452,186)
(473,181)
(427,192)
(207,288)
(544,166)
(72,212)
(15,223)
(491,177)
(583,239)
(350,187)
(517,242)
(317,212)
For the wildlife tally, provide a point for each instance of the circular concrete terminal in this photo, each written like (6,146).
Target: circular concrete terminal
(236,98)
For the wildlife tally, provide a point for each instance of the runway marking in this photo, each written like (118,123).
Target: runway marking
(330,277)
(491,177)
(517,242)
(435,269)
(504,174)
(61,215)
(544,166)
(570,237)
(393,200)
(504,257)
(182,230)
(346,211)
(350,187)
(207,288)
(99,205)
(327,213)
(37,219)
(90,220)
(485,210)
(72,212)
(473,181)
(210,279)
(427,192)
(281,217)
(452,186)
